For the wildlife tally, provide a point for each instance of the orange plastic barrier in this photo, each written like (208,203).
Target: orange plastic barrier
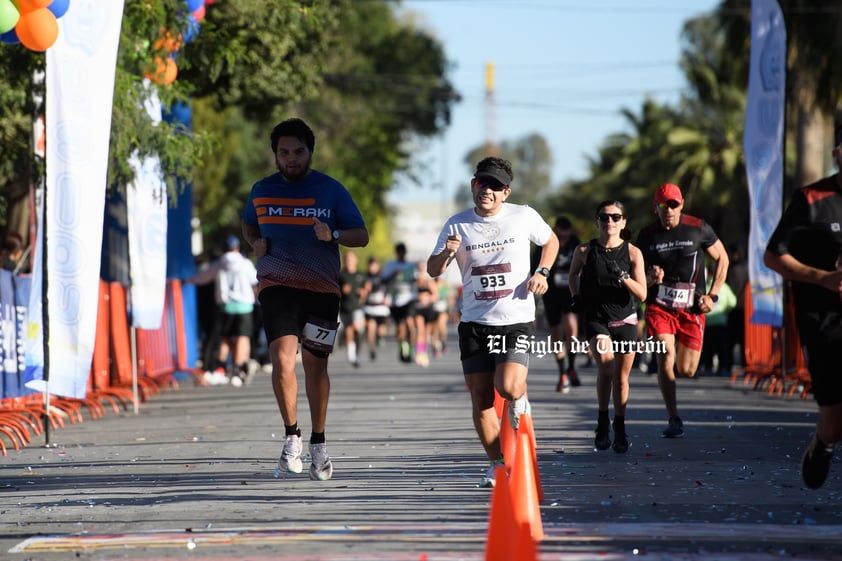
(797,377)
(764,354)
(162,352)
(101,363)
(762,349)
(117,340)
(121,355)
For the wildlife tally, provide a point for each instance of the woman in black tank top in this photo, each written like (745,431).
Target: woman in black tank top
(608,283)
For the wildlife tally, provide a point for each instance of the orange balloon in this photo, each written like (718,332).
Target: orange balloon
(37,30)
(165,71)
(168,42)
(32,5)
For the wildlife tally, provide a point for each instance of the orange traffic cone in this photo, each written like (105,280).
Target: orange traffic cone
(526,549)
(527,427)
(524,489)
(500,404)
(499,544)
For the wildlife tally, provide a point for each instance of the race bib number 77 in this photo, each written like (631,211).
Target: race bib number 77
(319,335)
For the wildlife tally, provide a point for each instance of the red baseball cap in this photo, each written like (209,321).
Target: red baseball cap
(668,192)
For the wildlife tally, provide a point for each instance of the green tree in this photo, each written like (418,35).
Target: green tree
(385,91)
(383,87)
(628,167)
(237,58)
(367,85)
(307,25)
(18,167)
(222,183)
(697,145)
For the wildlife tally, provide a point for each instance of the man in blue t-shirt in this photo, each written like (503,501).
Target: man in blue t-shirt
(296,220)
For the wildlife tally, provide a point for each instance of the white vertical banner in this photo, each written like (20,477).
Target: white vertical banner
(80,87)
(764,153)
(146,201)
(34,345)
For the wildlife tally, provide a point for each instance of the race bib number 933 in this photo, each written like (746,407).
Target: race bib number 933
(491,282)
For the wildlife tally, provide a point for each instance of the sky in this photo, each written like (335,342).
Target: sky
(562,68)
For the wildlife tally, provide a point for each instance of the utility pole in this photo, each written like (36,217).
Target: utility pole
(491,147)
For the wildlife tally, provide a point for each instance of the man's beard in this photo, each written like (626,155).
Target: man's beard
(296,175)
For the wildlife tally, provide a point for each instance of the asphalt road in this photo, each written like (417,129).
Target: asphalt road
(192,476)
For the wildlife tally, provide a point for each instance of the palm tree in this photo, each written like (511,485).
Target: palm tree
(698,144)
(814,59)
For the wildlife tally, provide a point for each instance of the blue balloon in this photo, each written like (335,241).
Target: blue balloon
(191,29)
(11,37)
(179,113)
(59,7)
(193,5)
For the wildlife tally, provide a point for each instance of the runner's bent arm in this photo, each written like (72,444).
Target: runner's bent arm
(251,233)
(720,256)
(549,251)
(636,283)
(537,283)
(792,269)
(576,264)
(436,264)
(353,237)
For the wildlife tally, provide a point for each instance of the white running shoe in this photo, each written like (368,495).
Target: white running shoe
(490,477)
(290,460)
(517,408)
(216,378)
(422,360)
(321,468)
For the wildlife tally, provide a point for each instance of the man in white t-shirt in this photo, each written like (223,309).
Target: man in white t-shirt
(235,279)
(491,245)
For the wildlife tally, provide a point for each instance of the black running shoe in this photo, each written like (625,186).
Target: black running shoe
(675,428)
(621,441)
(574,377)
(815,465)
(602,440)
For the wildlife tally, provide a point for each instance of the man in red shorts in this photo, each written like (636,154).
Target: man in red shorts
(674,249)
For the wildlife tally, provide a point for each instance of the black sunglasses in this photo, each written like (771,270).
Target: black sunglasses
(493,185)
(669,204)
(604,216)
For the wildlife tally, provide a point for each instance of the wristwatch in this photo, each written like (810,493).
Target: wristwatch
(714,298)
(624,277)
(544,271)
(336,235)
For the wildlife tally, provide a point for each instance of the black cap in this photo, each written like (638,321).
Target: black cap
(495,168)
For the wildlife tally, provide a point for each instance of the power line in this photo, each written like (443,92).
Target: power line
(587,6)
